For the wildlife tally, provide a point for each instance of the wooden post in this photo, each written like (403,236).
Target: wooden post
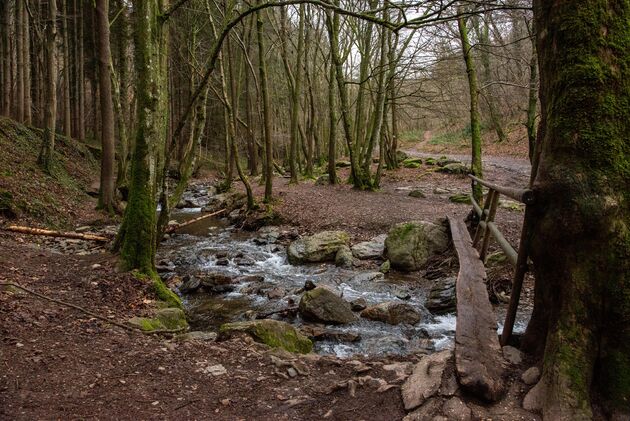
(517,283)
(483,217)
(494,202)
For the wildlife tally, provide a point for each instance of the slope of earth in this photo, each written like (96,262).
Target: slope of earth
(30,195)
(59,363)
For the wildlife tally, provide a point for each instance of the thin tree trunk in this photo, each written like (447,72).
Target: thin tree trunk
(6,58)
(475,125)
(108,145)
(67,115)
(48,146)
(19,41)
(532,104)
(266,106)
(332,122)
(26,50)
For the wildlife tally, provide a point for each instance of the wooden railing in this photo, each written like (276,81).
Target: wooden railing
(487,227)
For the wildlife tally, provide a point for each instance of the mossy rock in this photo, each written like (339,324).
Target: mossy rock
(401,156)
(343,258)
(343,164)
(412,163)
(321,247)
(496,259)
(273,333)
(165,319)
(419,194)
(430,161)
(454,168)
(410,244)
(460,198)
(385,267)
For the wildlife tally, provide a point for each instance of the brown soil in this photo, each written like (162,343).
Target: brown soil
(59,363)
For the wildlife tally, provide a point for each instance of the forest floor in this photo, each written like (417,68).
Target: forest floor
(59,363)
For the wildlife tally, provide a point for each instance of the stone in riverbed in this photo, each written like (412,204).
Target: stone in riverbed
(392,313)
(372,249)
(321,247)
(323,305)
(343,258)
(410,244)
(442,298)
(273,333)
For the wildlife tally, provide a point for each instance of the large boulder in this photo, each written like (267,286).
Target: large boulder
(393,313)
(323,305)
(372,249)
(410,244)
(442,298)
(321,247)
(274,333)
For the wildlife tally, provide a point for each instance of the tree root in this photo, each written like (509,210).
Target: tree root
(90,313)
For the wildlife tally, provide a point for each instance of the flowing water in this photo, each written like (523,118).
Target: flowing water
(212,246)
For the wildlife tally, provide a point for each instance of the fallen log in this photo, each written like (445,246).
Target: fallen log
(478,359)
(174,228)
(52,233)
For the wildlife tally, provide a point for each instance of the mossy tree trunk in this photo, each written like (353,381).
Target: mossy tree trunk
(475,122)
(137,236)
(581,234)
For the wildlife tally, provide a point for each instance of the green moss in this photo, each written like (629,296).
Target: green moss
(165,319)
(460,198)
(159,287)
(273,333)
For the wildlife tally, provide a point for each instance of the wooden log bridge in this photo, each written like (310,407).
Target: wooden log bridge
(478,357)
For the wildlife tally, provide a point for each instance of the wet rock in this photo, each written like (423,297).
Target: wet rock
(513,355)
(222,262)
(531,375)
(249,279)
(317,333)
(409,245)
(343,258)
(425,380)
(364,277)
(320,247)
(197,336)
(442,298)
(456,410)
(164,319)
(322,305)
(309,285)
(276,293)
(392,313)
(228,201)
(372,249)
(273,333)
(359,304)
(418,194)
(189,284)
(267,235)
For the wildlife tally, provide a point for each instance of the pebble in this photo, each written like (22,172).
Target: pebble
(96,266)
(292,372)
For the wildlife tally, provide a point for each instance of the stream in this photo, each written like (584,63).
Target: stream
(263,284)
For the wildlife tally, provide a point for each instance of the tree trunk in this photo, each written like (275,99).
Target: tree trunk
(262,69)
(137,236)
(19,42)
(48,145)
(475,125)
(581,239)
(108,176)
(332,125)
(5,101)
(532,103)
(67,115)
(26,58)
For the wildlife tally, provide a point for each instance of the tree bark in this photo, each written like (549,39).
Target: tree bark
(581,240)
(262,69)
(108,176)
(46,153)
(475,124)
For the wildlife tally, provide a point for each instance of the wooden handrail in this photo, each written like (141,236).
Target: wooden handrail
(525,196)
